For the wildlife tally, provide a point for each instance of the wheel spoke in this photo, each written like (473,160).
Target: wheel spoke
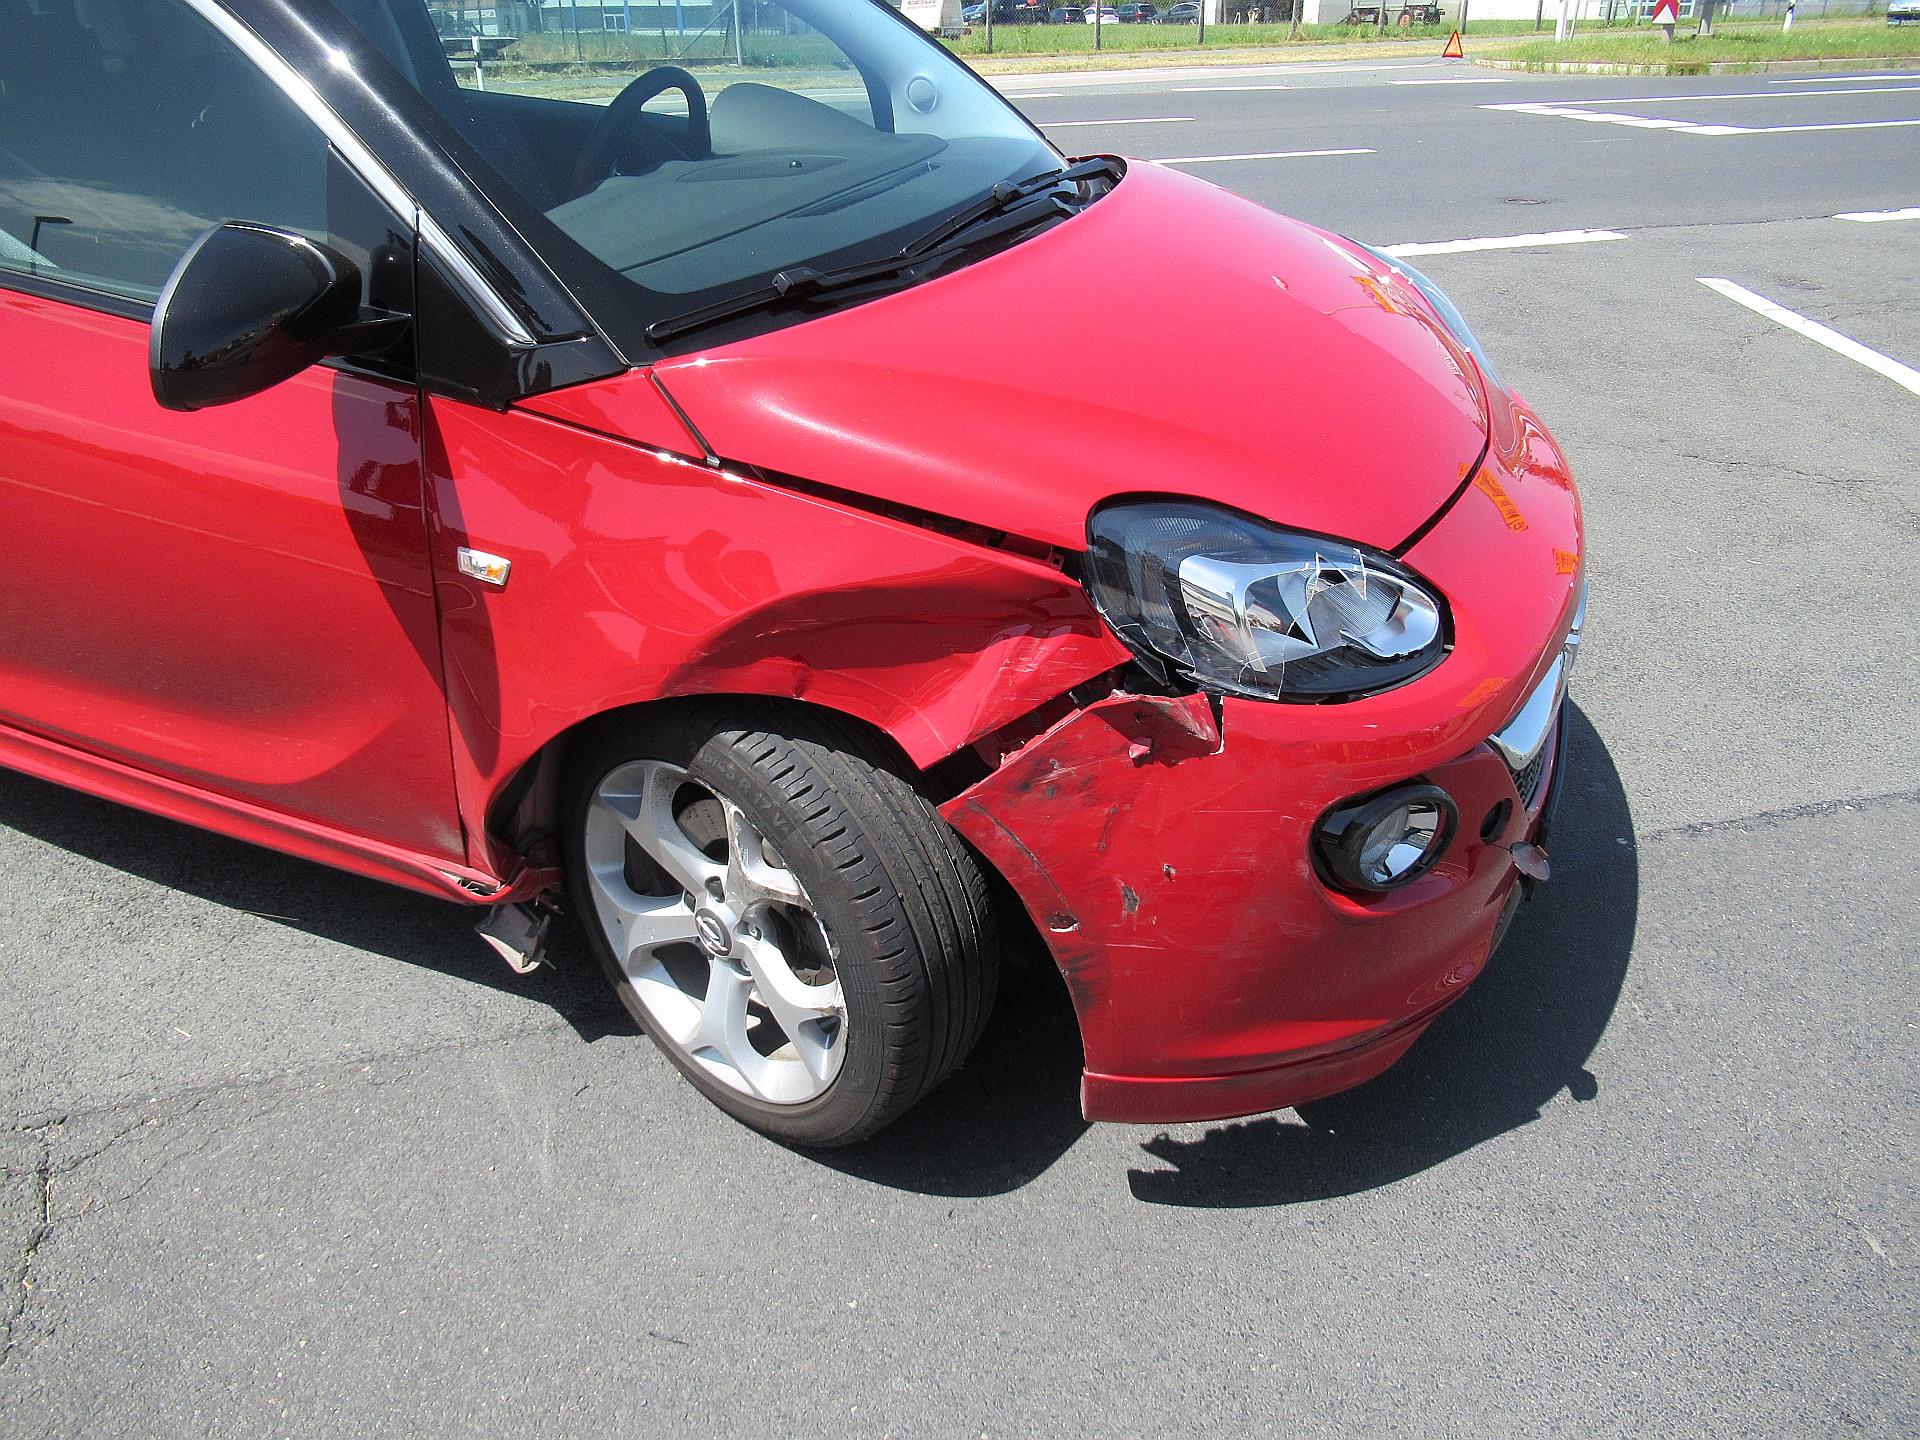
(751,878)
(644,922)
(644,804)
(799,1008)
(723,1022)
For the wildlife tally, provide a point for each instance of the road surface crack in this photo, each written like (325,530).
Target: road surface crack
(1768,819)
(20,1273)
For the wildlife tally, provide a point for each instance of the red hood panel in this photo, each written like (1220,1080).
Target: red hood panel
(1266,370)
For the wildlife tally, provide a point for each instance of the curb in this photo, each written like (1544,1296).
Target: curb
(1705,67)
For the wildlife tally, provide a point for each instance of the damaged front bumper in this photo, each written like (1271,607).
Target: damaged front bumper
(1213,973)
(1163,844)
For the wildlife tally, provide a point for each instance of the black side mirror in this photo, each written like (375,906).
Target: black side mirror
(249,306)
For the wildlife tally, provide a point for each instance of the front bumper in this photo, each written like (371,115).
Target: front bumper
(1162,843)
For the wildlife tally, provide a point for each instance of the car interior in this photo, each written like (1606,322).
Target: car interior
(130,126)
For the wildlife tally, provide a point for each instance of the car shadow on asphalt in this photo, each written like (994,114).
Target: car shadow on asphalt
(333,905)
(1011,1111)
(1522,1034)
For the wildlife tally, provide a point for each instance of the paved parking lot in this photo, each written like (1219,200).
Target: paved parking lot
(289,1154)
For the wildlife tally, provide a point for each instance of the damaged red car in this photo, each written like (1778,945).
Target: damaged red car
(746,516)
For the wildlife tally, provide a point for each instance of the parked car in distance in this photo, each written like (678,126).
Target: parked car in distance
(757,531)
(1005,12)
(1107,15)
(1137,12)
(1903,12)
(1066,15)
(1187,12)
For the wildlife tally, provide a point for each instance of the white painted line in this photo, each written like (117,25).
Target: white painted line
(1503,242)
(1796,129)
(1457,80)
(1609,117)
(1260,155)
(1905,376)
(1150,120)
(1210,89)
(1836,79)
(1034,94)
(1741,95)
(1873,217)
(1688,127)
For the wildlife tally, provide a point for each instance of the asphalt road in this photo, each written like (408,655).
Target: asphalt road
(289,1154)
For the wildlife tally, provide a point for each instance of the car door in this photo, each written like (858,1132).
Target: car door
(237,598)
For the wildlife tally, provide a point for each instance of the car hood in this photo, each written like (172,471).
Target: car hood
(1171,338)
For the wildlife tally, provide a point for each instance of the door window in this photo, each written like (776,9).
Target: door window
(127,127)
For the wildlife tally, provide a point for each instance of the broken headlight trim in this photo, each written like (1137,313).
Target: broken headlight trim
(1448,312)
(1370,845)
(1241,607)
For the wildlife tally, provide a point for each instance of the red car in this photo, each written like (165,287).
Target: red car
(634,508)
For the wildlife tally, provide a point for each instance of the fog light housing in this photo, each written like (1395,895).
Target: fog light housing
(1381,842)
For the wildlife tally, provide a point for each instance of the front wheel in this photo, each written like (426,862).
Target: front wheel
(784,914)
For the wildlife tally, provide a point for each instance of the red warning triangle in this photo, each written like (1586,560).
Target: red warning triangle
(1454,50)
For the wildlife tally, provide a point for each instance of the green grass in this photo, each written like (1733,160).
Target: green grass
(590,61)
(597,52)
(1018,40)
(646,48)
(1809,40)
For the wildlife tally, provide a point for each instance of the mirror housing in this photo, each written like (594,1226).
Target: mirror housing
(249,306)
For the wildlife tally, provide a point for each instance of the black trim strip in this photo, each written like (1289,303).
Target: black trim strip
(1067,562)
(1399,552)
(83,296)
(686,420)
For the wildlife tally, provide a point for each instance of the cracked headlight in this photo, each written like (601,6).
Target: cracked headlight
(1240,606)
(1448,312)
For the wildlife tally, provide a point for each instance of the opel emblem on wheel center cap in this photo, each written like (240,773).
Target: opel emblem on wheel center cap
(713,932)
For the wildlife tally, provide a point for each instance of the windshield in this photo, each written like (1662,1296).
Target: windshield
(697,151)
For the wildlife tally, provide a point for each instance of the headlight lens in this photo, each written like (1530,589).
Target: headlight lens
(1449,312)
(1244,607)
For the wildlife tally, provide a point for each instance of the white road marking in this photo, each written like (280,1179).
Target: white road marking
(1905,376)
(1209,89)
(1793,129)
(1688,127)
(1034,94)
(1148,120)
(1457,80)
(1503,242)
(1742,95)
(1608,117)
(1871,217)
(1259,155)
(1836,80)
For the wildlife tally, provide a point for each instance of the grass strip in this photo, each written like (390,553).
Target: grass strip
(1729,43)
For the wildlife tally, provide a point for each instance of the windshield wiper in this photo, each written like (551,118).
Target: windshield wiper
(1009,206)
(1007,194)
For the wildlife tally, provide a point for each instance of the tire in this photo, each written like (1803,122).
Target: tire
(786,916)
